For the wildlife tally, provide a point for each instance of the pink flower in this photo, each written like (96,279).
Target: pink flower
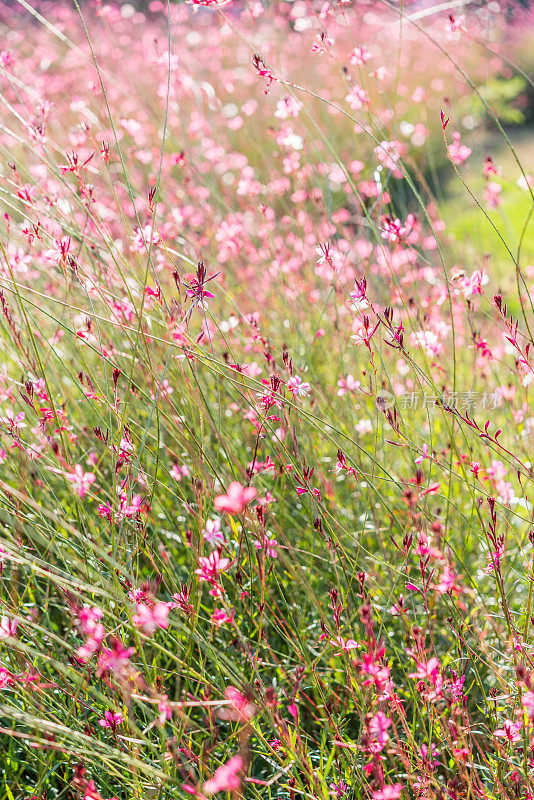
(298,387)
(110,720)
(357,98)
(447,582)
(240,708)
(394,231)
(116,658)
(510,731)
(220,617)
(211,565)
(225,777)
(5,677)
(425,454)
(360,56)
(322,44)
(344,645)
(269,545)
(165,710)
(81,481)
(348,384)
(149,619)
(459,153)
(492,194)
(454,24)
(426,669)
(14,421)
(208,3)
(93,643)
(528,703)
(179,471)
(429,671)
(212,532)
(8,627)
(88,618)
(236,499)
(389,154)
(390,792)
(378,726)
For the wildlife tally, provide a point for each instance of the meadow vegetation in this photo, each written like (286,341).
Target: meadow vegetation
(266,484)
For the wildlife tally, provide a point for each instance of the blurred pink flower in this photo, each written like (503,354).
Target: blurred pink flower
(150,618)
(225,777)
(236,498)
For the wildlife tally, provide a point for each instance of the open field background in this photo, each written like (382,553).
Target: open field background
(266,289)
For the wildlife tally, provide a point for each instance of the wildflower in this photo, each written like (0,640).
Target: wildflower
(298,387)
(165,710)
(149,619)
(115,659)
(378,726)
(220,617)
(430,755)
(110,720)
(429,671)
(388,792)
(287,106)
(358,298)
(208,3)
(88,788)
(425,453)
(81,481)
(394,231)
(389,154)
(339,789)
(489,167)
(360,56)
(510,731)
(345,645)
(181,600)
(92,643)
(88,618)
(263,70)
(14,422)
(128,508)
(209,569)
(105,510)
(6,679)
(8,627)
(240,709)
(268,545)
(492,194)
(448,582)
(357,98)
(212,532)
(225,777)
(528,703)
(179,471)
(322,44)
(236,499)
(459,153)
(454,24)
(196,289)
(348,384)
(428,341)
